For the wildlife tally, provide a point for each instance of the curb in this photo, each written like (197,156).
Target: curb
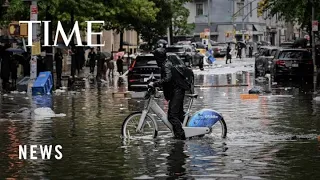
(226,85)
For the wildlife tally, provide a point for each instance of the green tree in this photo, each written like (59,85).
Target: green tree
(298,11)
(180,18)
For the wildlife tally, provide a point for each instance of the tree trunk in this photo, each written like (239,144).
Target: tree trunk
(121,41)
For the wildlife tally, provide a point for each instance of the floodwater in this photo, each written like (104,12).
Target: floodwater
(272,137)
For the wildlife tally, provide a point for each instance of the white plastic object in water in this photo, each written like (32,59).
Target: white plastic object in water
(317,98)
(47,112)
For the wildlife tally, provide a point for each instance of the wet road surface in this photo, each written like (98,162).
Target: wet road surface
(273,137)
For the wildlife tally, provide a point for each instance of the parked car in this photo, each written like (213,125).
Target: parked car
(263,61)
(219,49)
(186,52)
(140,70)
(292,63)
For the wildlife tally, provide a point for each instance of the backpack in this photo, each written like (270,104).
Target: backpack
(183,75)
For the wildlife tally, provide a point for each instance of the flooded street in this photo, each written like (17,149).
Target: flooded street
(272,137)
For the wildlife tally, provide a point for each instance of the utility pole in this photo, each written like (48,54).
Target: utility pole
(209,14)
(243,29)
(33,62)
(314,51)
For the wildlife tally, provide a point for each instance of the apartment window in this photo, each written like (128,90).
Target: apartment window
(199,9)
(250,9)
(240,5)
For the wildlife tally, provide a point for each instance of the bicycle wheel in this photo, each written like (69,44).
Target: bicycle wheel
(219,129)
(148,130)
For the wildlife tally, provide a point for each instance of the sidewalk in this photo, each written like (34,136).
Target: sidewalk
(220,67)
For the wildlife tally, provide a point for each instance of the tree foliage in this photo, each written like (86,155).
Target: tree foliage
(180,18)
(298,11)
(170,11)
(150,18)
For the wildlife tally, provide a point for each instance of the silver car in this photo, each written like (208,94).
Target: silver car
(219,49)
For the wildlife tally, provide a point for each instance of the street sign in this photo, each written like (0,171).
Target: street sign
(36,49)
(207,30)
(33,12)
(23,30)
(34,9)
(315,26)
(202,35)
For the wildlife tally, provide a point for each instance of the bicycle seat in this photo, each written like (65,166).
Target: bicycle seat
(192,95)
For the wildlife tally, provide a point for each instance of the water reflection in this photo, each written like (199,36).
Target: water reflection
(176,160)
(258,143)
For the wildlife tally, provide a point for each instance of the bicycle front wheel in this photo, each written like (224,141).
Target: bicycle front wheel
(130,124)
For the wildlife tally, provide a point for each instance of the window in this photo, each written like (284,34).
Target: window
(199,9)
(240,5)
(250,9)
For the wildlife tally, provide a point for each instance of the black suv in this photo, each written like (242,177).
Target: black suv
(140,70)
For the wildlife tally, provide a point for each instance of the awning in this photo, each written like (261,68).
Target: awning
(247,27)
(258,28)
(200,28)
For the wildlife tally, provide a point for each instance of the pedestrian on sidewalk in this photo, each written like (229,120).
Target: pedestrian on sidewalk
(5,67)
(111,67)
(239,51)
(99,64)
(229,56)
(250,51)
(58,57)
(14,71)
(120,65)
(92,60)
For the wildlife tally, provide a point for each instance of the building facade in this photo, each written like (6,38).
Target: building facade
(217,15)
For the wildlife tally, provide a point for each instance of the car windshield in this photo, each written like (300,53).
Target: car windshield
(295,55)
(175,49)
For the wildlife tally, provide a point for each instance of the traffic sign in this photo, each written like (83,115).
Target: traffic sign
(14,29)
(202,35)
(207,30)
(315,26)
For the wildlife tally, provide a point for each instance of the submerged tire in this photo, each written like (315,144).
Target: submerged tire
(149,121)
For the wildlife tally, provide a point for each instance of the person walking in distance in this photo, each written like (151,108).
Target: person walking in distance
(239,51)
(120,65)
(92,60)
(250,51)
(229,56)
(58,57)
(111,67)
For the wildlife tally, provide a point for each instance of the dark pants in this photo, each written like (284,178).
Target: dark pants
(175,112)
(92,66)
(228,58)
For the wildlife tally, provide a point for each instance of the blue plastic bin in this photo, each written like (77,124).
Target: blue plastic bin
(43,84)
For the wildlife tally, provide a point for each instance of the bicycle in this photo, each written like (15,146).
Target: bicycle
(197,125)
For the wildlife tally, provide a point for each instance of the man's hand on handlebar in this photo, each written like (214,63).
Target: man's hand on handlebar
(151,85)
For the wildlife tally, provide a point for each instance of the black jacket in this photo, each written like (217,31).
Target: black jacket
(166,79)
